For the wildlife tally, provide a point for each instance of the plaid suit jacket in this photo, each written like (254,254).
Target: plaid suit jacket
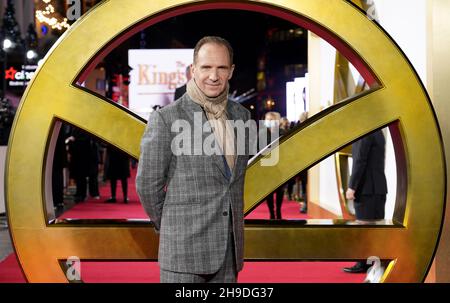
(189,197)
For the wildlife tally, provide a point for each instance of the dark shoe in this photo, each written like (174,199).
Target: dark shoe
(59,205)
(111,200)
(303,208)
(126,200)
(357,268)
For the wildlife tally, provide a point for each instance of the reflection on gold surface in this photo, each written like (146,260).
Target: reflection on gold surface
(344,87)
(342,177)
(395,95)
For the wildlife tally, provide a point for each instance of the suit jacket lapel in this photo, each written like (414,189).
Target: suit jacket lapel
(240,159)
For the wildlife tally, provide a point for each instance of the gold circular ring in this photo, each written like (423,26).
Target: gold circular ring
(396,97)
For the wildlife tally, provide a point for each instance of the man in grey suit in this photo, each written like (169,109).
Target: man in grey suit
(195,199)
(368,186)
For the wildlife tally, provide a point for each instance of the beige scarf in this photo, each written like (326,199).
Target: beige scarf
(215,109)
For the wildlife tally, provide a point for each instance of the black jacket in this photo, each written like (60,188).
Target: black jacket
(368,176)
(179,92)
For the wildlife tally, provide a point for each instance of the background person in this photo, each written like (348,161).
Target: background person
(117,167)
(302,177)
(180,91)
(84,157)
(368,186)
(273,129)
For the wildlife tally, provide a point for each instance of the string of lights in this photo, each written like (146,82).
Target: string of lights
(44,16)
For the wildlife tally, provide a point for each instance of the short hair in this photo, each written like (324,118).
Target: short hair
(284,120)
(275,115)
(303,117)
(215,40)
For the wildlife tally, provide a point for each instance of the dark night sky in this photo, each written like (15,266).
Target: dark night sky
(246,31)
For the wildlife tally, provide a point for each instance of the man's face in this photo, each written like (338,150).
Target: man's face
(271,121)
(212,69)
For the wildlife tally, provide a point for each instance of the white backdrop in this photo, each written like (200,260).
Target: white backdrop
(154,76)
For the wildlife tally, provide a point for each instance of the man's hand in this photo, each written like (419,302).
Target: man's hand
(350,194)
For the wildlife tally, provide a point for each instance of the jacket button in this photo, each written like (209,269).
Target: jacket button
(225,213)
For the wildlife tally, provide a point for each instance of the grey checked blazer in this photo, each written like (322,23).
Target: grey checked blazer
(189,197)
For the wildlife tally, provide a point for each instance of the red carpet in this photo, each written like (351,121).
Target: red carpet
(97,209)
(148,272)
(10,271)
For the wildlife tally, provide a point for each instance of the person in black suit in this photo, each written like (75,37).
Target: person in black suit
(273,131)
(117,167)
(179,91)
(368,186)
(84,159)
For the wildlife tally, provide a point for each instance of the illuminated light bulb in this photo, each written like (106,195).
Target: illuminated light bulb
(31,54)
(7,43)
